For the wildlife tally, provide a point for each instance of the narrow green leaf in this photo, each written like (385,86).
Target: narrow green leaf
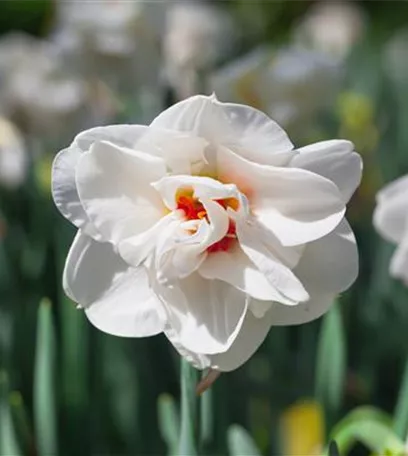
(8,438)
(169,422)
(366,412)
(74,361)
(22,422)
(74,356)
(240,443)
(331,363)
(187,442)
(44,382)
(401,409)
(370,427)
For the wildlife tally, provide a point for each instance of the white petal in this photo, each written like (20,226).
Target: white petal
(164,251)
(393,189)
(289,256)
(206,314)
(255,136)
(121,135)
(250,337)
(298,206)
(135,249)
(277,273)
(65,193)
(198,360)
(114,187)
(199,115)
(318,305)
(235,268)
(182,152)
(399,261)
(64,188)
(252,334)
(175,257)
(330,264)
(391,213)
(117,299)
(203,187)
(335,160)
(218,223)
(243,128)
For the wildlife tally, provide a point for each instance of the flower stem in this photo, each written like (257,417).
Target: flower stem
(206,422)
(187,442)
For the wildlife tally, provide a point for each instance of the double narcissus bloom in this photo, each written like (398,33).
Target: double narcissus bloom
(391,221)
(207,225)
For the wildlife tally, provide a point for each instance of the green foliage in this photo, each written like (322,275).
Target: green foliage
(370,427)
(333,449)
(401,410)
(331,362)
(45,410)
(240,443)
(8,436)
(188,431)
(66,389)
(169,422)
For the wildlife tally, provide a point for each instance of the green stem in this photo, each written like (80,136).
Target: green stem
(206,422)
(187,442)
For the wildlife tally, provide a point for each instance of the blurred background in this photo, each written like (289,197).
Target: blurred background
(322,69)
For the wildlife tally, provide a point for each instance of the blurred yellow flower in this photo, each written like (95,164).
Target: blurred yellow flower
(42,171)
(302,429)
(356,113)
(355,110)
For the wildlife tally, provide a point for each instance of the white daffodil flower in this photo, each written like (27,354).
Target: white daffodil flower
(207,225)
(292,84)
(331,27)
(391,221)
(13,155)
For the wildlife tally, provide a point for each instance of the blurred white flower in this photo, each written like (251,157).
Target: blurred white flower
(15,48)
(107,27)
(13,156)
(292,84)
(113,40)
(37,90)
(391,221)
(197,35)
(206,225)
(332,27)
(395,56)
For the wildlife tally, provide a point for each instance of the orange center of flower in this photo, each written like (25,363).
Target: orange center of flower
(194,210)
